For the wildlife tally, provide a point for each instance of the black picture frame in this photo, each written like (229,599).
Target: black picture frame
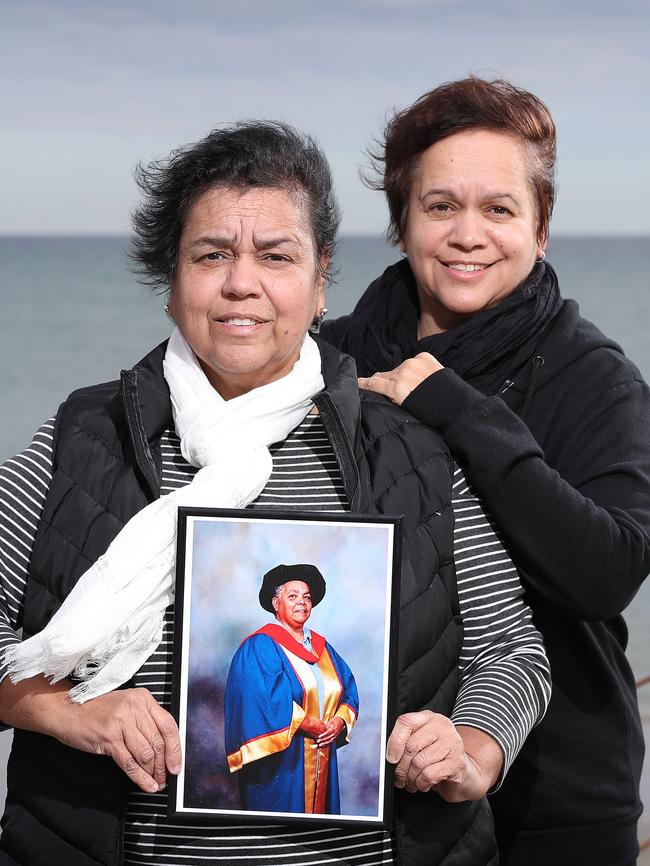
(243,754)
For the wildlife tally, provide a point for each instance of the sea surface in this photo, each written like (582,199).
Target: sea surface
(72,314)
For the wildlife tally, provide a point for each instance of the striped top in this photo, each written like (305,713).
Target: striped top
(504,682)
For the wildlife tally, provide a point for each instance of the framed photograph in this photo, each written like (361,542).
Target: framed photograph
(284,648)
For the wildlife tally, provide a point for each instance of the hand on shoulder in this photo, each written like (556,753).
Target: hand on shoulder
(397,384)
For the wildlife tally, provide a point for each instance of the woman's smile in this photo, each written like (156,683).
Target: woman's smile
(241,325)
(465,272)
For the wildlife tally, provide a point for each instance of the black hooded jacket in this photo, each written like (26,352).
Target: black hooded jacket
(551,424)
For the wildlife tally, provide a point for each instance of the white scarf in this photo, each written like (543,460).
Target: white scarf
(112,620)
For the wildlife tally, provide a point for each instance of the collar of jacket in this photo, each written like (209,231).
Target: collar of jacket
(147,407)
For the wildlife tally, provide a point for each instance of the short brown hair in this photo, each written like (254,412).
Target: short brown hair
(471,103)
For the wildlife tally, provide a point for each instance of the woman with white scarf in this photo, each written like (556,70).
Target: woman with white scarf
(240,228)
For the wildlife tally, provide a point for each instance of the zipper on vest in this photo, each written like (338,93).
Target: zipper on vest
(336,432)
(143,455)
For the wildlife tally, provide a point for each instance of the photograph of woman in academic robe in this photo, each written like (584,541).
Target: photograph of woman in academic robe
(290,702)
(285,638)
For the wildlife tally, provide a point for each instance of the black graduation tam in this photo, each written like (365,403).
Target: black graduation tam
(309,574)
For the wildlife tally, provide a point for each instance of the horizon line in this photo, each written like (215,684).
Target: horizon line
(342,236)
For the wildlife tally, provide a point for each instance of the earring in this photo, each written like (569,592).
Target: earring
(167,313)
(540,258)
(318,321)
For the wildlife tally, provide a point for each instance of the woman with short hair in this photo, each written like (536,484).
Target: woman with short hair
(288,772)
(549,421)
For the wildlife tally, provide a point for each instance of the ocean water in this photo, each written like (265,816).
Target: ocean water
(72,314)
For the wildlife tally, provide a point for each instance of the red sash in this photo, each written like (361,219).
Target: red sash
(284,638)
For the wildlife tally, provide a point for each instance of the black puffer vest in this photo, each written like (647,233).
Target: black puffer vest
(65,806)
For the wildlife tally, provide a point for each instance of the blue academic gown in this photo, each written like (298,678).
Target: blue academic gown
(270,689)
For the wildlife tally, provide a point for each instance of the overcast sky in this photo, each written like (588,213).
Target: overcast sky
(90,88)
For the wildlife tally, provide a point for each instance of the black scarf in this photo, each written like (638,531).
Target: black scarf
(484,350)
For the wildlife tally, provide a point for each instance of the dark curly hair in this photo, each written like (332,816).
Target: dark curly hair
(245,154)
(471,103)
